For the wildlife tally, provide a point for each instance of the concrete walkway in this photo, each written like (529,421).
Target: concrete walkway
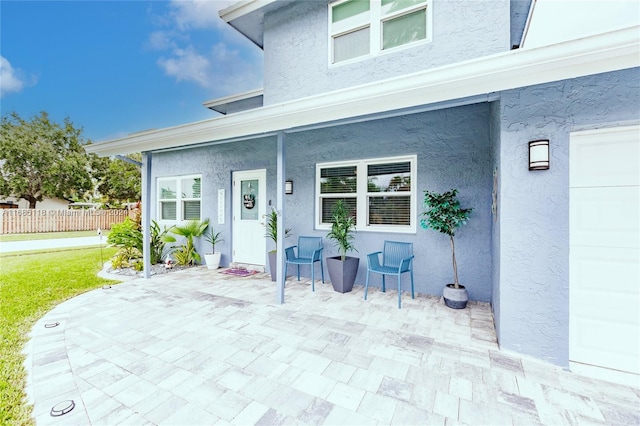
(14,246)
(199,347)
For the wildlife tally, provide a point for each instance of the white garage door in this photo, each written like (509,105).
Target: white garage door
(605,249)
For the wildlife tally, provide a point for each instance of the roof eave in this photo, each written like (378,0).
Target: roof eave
(509,70)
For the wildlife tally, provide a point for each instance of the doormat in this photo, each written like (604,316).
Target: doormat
(239,272)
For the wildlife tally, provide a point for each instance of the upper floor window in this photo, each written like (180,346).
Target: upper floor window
(369,27)
(179,198)
(379,192)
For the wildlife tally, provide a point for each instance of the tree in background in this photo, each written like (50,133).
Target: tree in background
(117,181)
(40,158)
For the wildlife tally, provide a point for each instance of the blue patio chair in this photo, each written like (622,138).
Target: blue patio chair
(309,252)
(397,258)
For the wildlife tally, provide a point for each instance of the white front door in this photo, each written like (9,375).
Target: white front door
(604,283)
(249,208)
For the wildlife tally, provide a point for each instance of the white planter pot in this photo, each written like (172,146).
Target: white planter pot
(212,260)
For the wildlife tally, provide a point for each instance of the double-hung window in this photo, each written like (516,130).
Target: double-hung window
(179,198)
(359,28)
(380,193)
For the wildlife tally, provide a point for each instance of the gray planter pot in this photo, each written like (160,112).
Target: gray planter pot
(342,274)
(273,264)
(455,298)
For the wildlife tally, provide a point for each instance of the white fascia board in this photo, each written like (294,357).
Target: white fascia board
(242,8)
(509,70)
(233,98)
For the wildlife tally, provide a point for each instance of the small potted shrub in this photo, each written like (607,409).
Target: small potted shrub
(342,269)
(271,226)
(444,214)
(213,259)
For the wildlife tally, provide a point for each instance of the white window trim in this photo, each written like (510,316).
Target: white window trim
(362,194)
(179,200)
(373,19)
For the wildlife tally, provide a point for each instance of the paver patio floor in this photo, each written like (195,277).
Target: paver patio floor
(198,347)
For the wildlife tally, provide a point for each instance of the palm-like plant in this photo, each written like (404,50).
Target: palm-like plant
(271,226)
(187,253)
(213,238)
(342,229)
(444,214)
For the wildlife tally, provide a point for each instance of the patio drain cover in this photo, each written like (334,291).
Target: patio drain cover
(51,324)
(62,408)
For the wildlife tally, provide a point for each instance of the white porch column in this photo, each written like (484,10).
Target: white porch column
(146,213)
(280,277)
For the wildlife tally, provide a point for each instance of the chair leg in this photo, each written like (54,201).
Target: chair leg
(298,272)
(399,291)
(412,295)
(313,277)
(383,284)
(366,285)
(322,271)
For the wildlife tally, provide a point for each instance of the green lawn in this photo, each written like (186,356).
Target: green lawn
(31,284)
(5,238)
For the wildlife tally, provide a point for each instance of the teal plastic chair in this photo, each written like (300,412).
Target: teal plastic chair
(309,251)
(397,258)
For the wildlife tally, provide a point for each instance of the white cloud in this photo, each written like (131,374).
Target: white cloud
(187,65)
(198,13)
(12,79)
(231,64)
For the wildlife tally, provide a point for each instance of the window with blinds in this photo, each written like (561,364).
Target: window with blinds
(359,28)
(379,193)
(179,198)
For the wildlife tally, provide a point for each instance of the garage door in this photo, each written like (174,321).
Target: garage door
(604,306)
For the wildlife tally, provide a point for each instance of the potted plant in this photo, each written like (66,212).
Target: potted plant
(213,259)
(342,269)
(271,226)
(187,254)
(444,214)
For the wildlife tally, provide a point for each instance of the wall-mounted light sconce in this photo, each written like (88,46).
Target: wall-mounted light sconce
(288,187)
(539,155)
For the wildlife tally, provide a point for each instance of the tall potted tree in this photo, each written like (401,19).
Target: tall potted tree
(271,226)
(342,269)
(443,213)
(213,259)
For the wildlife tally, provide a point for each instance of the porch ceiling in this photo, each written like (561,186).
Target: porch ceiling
(509,70)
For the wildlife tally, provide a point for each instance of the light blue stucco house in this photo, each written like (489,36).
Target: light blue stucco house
(445,94)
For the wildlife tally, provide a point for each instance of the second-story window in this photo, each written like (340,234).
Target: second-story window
(360,28)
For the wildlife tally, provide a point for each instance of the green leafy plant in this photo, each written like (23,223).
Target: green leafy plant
(213,238)
(187,254)
(159,240)
(271,226)
(443,213)
(126,234)
(342,229)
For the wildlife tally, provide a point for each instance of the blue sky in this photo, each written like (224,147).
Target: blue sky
(117,67)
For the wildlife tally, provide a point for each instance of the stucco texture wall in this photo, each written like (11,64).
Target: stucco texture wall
(296,56)
(533,297)
(217,163)
(453,151)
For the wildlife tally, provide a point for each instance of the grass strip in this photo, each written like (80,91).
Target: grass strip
(7,238)
(31,284)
